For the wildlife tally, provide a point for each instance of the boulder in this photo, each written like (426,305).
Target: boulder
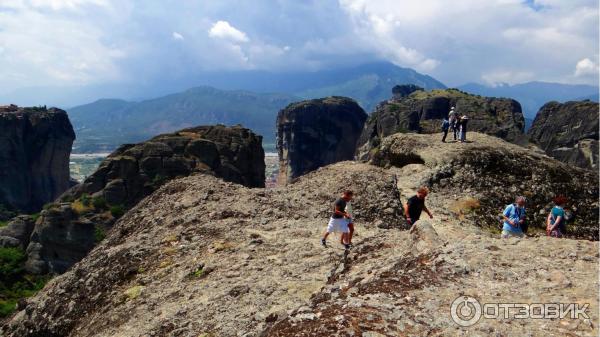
(35,145)
(424,237)
(415,110)
(17,232)
(568,132)
(315,133)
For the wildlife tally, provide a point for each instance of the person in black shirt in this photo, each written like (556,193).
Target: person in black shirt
(415,205)
(339,220)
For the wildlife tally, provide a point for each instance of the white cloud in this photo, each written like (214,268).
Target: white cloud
(496,77)
(223,30)
(586,67)
(177,36)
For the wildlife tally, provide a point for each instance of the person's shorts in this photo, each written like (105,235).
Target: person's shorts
(338,225)
(510,234)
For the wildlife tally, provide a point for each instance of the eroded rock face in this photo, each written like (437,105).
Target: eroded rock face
(568,132)
(17,231)
(35,145)
(69,229)
(315,133)
(415,110)
(486,175)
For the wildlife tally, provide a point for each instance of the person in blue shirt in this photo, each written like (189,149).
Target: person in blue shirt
(555,223)
(445,127)
(514,218)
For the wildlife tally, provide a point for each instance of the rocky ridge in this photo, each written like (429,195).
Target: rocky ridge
(35,144)
(484,175)
(179,264)
(414,110)
(315,133)
(568,132)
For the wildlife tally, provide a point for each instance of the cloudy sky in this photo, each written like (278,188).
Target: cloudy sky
(92,42)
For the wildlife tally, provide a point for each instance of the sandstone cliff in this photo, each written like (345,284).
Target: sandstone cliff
(568,132)
(180,264)
(315,133)
(414,110)
(70,227)
(35,144)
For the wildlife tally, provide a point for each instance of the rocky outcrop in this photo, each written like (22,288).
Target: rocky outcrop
(17,232)
(568,132)
(315,133)
(35,144)
(482,177)
(414,110)
(180,264)
(69,228)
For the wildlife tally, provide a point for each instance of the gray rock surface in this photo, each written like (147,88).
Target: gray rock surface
(179,264)
(568,132)
(35,144)
(17,231)
(315,133)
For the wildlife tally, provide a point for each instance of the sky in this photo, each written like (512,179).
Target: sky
(58,43)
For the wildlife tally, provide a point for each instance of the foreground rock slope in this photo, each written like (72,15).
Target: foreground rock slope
(181,264)
(414,110)
(315,133)
(35,144)
(568,132)
(69,228)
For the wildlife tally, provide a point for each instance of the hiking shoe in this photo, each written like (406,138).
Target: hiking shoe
(324,243)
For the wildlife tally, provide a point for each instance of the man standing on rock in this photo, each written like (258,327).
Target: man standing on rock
(416,205)
(339,220)
(452,118)
(514,218)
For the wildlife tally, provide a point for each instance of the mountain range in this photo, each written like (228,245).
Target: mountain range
(253,98)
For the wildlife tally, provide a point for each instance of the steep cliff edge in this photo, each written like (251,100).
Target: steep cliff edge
(70,227)
(181,264)
(35,144)
(414,110)
(568,132)
(315,133)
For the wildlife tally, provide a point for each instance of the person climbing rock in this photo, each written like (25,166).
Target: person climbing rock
(452,118)
(416,205)
(555,223)
(350,213)
(445,127)
(514,218)
(338,222)
(463,128)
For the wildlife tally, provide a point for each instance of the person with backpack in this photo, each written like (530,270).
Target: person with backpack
(338,222)
(463,128)
(445,127)
(556,222)
(452,118)
(514,219)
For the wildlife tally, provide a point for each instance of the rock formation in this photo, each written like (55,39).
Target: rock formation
(482,177)
(315,133)
(568,132)
(181,264)
(35,145)
(69,228)
(414,110)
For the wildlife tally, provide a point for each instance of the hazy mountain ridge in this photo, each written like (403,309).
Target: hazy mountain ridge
(107,123)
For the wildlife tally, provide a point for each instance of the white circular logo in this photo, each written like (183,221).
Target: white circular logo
(465,311)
